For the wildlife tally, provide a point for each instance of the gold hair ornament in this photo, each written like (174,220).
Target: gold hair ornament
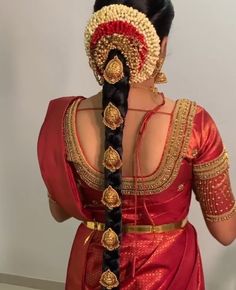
(159,76)
(110,240)
(112,159)
(112,117)
(114,71)
(109,280)
(118,26)
(110,198)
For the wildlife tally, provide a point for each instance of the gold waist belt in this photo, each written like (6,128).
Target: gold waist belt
(127,228)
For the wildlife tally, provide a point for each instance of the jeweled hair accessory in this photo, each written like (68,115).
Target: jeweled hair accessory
(112,117)
(124,28)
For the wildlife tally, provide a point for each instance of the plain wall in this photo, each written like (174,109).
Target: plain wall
(42,57)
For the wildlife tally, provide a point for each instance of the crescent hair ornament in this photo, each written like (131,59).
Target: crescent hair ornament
(118,26)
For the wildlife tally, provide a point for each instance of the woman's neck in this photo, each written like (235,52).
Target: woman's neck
(141,95)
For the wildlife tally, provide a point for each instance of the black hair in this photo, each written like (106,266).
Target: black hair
(161,14)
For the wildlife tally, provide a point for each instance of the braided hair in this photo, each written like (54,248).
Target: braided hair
(118,94)
(160,13)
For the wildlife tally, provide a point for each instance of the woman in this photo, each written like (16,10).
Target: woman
(126,160)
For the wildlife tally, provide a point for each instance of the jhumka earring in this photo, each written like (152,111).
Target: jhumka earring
(159,77)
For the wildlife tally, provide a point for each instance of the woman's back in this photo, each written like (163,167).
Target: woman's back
(90,132)
(131,180)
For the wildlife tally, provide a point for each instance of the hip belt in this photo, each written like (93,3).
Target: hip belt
(128,228)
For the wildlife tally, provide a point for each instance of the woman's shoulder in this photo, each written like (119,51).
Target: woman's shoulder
(200,109)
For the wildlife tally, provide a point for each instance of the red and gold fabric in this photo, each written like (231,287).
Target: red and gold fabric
(211,172)
(193,158)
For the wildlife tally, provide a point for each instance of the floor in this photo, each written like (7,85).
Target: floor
(13,287)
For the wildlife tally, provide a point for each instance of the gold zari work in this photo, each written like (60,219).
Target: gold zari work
(213,189)
(109,280)
(212,168)
(110,240)
(222,217)
(112,159)
(110,198)
(114,71)
(176,147)
(112,117)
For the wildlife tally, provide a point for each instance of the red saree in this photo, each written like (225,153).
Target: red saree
(194,158)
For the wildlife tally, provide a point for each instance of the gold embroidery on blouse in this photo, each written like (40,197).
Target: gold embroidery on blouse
(180,187)
(212,188)
(222,217)
(212,168)
(174,152)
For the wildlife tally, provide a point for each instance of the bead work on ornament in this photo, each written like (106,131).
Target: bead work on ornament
(121,27)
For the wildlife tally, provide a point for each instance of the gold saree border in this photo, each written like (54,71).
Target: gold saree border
(173,154)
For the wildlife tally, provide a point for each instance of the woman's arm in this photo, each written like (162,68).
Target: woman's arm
(211,181)
(223,231)
(57,211)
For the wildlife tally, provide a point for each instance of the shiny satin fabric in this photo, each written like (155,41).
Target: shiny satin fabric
(163,261)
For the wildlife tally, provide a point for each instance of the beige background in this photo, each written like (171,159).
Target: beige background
(42,57)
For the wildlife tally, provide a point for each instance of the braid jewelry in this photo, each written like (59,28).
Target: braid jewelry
(129,31)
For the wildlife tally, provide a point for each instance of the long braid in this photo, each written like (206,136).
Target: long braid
(117,94)
(122,41)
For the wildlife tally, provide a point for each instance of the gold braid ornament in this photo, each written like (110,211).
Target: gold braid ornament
(110,240)
(114,71)
(110,198)
(118,26)
(109,280)
(123,28)
(112,159)
(112,117)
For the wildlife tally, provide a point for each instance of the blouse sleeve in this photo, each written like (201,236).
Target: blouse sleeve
(211,181)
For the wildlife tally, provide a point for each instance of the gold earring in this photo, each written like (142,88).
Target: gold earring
(160,77)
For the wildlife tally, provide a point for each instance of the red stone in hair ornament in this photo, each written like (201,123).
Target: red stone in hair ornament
(124,28)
